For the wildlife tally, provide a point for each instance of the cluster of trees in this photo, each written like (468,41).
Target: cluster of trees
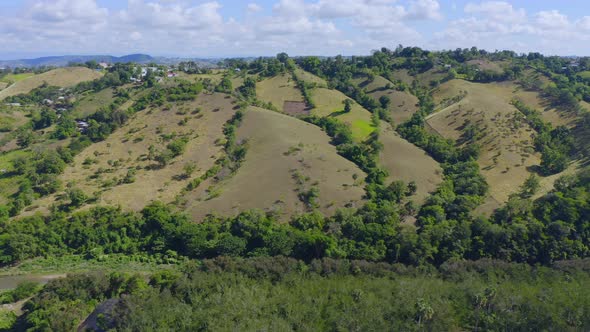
(36,96)
(555,144)
(191,67)
(550,229)
(286,294)
(305,89)
(38,174)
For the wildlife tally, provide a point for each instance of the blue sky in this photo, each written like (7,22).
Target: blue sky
(215,28)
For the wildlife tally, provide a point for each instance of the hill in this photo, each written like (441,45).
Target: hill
(280,91)
(483,114)
(284,162)
(330,102)
(62,77)
(118,170)
(402,103)
(406,162)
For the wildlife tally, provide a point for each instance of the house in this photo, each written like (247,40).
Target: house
(13,104)
(47,101)
(448,66)
(82,125)
(103,65)
(172,74)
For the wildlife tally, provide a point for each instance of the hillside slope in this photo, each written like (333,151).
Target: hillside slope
(100,169)
(406,162)
(286,157)
(484,115)
(62,77)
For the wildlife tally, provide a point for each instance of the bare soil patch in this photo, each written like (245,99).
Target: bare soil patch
(295,108)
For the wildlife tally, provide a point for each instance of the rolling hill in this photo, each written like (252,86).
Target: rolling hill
(62,77)
(285,160)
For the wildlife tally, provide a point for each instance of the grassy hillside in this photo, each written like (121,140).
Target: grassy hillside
(62,77)
(310,78)
(404,161)
(286,158)
(507,152)
(331,103)
(100,170)
(277,90)
(403,104)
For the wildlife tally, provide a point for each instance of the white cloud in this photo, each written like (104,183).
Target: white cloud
(424,10)
(190,27)
(499,11)
(254,8)
(66,10)
(551,19)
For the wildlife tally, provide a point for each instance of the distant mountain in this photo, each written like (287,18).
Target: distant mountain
(64,60)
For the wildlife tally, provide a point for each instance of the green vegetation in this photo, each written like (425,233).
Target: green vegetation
(556,145)
(381,262)
(284,294)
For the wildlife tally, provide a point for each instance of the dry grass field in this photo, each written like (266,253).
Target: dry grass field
(505,138)
(483,64)
(507,154)
(62,77)
(310,78)
(331,103)
(102,165)
(405,161)
(403,75)
(403,104)
(285,157)
(91,103)
(3,85)
(277,90)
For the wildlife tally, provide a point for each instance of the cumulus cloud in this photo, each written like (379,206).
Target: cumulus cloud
(183,27)
(499,25)
(253,8)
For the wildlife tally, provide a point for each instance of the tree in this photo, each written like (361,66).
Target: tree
(248,90)
(347,106)
(283,57)
(385,101)
(66,127)
(43,119)
(225,85)
(77,197)
(24,137)
(530,186)
(553,161)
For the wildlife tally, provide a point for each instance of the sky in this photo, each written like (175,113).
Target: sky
(231,28)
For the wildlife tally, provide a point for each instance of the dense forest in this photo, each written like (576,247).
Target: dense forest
(523,267)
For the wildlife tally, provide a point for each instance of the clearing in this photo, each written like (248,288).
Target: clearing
(286,158)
